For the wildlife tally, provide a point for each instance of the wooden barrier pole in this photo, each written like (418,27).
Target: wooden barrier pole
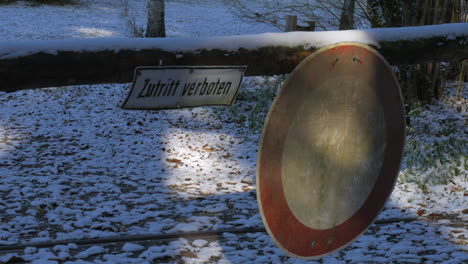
(36,64)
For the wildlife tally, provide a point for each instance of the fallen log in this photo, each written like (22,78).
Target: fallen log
(50,63)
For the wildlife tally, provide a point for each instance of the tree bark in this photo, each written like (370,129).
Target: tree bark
(347,15)
(156,27)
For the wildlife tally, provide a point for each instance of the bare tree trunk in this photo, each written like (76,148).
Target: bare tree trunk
(372,10)
(156,27)
(347,15)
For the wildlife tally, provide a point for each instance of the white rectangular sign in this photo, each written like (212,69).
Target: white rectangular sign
(183,86)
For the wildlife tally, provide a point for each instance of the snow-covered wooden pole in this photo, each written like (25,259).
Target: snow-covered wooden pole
(35,64)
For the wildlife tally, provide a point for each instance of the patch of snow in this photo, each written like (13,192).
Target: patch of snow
(90,251)
(185,227)
(131,247)
(200,243)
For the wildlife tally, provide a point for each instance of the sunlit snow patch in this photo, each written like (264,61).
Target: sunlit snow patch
(95,32)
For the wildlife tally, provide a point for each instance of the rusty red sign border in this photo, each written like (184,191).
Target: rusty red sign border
(293,237)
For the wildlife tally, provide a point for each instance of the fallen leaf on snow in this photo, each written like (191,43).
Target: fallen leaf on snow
(209,149)
(434,216)
(189,254)
(227,156)
(178,161)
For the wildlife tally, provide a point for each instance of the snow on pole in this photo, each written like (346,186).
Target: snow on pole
(47,63)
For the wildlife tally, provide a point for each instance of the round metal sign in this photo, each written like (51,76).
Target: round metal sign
(331,150)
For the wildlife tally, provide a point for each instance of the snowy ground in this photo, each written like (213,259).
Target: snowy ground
(73,165)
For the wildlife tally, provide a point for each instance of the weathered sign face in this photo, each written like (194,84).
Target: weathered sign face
(330,151)
(175,87)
